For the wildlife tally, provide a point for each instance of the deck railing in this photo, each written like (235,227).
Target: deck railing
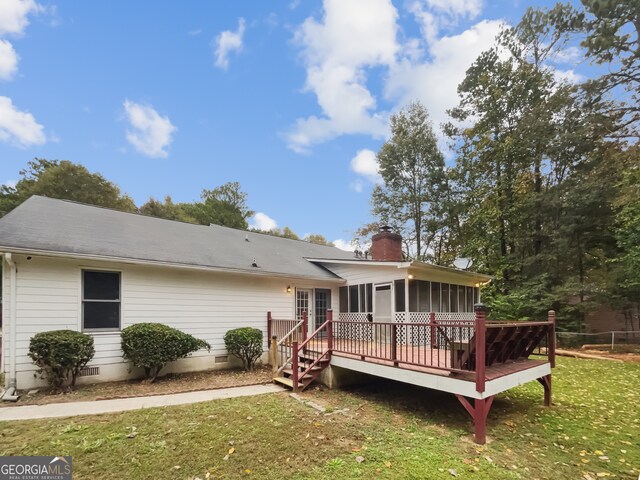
(309,354)
(285,335)
(457,343)
(424,344)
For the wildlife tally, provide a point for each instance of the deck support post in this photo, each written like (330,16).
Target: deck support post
(394,344)
(273,353)
(478,412)
(305,326)
(269,326)
(330,331)
(480,334)
(295,368)
(432,322)
(551,345)
(546,384)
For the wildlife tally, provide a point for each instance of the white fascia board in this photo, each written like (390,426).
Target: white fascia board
(183,266)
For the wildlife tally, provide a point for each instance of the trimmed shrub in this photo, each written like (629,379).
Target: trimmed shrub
(152,345)
(61,354)
(246,344)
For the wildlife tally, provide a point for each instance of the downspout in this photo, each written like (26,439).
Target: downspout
(9,394)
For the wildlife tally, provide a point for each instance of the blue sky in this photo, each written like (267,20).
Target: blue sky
(290,98)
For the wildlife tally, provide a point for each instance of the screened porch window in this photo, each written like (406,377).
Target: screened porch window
(356,298)
(100,300)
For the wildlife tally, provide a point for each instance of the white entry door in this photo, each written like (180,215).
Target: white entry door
(382,312)
(304,301)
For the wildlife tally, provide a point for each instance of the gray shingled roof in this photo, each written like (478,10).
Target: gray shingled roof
(47,225)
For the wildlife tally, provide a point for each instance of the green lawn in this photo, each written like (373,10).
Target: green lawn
(592,431)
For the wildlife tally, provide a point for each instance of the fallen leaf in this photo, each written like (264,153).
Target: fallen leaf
(387,464)
(453,472)
(359,459)
(231,450)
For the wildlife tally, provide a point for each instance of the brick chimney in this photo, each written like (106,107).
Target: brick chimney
(386,246)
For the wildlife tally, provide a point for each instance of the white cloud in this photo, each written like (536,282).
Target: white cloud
(359,38)
(435,81)
(14,15)
(365,164)
(571,54)
(262,221)
(227,42)
(357,185)
(336,51)
(10,183)
(567,76)
(8,60)
(434,15)
(17,127)
(344,245)
(195,32)
(151,133)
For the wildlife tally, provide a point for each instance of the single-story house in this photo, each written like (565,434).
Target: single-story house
(326,314)
(73,266)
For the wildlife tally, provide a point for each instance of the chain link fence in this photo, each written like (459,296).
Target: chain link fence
(612,339)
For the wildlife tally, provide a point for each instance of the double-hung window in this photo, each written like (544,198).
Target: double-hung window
(100,300)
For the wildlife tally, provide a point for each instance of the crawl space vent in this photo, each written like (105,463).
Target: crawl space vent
(90,371)
(222,359)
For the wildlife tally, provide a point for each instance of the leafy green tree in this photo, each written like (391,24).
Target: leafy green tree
(318,239)
(167,210)
(64,180)
(610,33)
(225,205)
(413,173)
(627,233)
(533,185)
(286,232)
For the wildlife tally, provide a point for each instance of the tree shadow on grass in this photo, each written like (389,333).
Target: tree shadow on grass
(441,407)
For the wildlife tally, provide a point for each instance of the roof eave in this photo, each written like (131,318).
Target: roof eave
(159,263)
(360,262)
(481,277)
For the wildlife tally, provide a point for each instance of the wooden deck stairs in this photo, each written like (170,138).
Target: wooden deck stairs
(307,372)
(298,364)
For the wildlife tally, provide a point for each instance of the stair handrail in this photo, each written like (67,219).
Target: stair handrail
(298,376)
(303,344)
(301,324)
(291,332)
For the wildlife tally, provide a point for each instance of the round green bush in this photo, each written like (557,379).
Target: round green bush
(246,344)
(152,345)
(61,354)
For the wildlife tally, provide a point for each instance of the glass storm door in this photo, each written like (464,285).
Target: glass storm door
(303,302)
(322,304)
(382,312)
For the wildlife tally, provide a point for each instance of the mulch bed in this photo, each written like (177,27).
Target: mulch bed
(171,383)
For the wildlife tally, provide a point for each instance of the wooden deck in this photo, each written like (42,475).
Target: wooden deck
(474,360)
(434,361)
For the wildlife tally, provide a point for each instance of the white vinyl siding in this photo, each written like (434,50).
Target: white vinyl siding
(204,304)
